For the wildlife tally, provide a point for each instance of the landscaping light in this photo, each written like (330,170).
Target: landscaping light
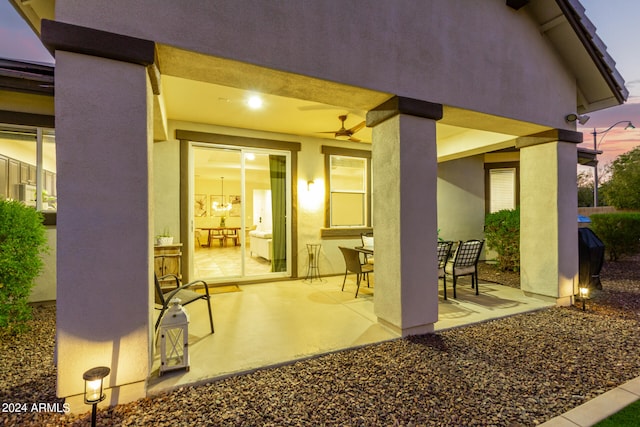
(584,294)
(93,384)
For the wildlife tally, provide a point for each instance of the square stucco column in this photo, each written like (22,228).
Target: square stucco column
(103,142)
(548,220)
(405,216)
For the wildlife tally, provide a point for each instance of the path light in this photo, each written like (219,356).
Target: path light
(584,295)
(174,338)
(93,384)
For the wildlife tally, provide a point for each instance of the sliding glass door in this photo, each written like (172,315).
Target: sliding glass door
(241,202)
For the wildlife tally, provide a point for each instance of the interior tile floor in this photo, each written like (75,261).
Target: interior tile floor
(268,324)
(226,261)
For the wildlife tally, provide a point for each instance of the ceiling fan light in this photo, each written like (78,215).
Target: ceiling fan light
(342,137)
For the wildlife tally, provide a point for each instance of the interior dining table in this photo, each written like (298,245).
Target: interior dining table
(222,234)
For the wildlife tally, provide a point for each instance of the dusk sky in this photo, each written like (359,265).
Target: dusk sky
(616,22)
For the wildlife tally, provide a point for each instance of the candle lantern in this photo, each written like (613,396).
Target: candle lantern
(174,338)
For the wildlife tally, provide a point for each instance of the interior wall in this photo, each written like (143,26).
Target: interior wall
(461,199)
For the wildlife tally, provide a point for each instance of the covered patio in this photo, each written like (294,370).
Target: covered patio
(275,323)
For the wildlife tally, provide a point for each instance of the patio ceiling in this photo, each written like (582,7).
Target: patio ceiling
(203,89)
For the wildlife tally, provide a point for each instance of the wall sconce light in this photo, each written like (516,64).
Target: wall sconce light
(310,185)
(93,386)
(584,295)
(174,338)
(582,119)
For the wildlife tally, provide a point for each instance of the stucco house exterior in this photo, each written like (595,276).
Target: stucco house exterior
(147,92)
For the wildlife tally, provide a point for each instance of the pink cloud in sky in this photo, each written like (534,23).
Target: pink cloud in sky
(618,140)
(22,48)
(17,39)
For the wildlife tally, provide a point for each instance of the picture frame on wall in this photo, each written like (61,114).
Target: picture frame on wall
(235,205)
(200,207)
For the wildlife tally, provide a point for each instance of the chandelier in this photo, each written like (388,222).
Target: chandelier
(221,206)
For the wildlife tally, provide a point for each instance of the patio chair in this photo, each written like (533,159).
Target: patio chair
(186,295)
(465,263)
(444,252)
(353,264)
(367,242)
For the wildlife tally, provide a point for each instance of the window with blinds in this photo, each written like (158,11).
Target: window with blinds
(502,189)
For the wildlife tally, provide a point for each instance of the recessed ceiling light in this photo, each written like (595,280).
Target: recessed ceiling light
(254,102)
(250,156)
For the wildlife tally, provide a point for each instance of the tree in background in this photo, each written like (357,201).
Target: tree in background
(585,190)
(621,190)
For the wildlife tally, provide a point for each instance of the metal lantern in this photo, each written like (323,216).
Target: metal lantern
(174,338)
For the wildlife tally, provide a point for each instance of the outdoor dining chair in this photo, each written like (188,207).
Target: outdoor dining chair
(186,295)
(465,263)
(353,265)
(444,252)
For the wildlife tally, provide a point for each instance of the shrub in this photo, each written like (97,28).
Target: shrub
(620,232)
(502,232)
(22,241)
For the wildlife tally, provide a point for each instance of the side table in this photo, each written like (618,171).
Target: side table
(313,270)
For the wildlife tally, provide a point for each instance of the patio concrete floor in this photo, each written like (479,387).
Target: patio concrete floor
(269,324)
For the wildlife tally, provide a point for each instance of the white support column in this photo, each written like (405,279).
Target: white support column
(405,216)
(103,135)
(548,220)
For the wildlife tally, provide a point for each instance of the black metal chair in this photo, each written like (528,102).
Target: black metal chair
(465,263)
(353,264)
(186,296)
(444,252)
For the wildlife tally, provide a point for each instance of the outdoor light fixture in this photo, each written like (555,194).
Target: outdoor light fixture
(582,119)
(310,185)
(595,149)
(93,385)
(584,294)
(174,338)
(254,102)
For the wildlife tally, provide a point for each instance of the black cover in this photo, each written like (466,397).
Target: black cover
(591,256)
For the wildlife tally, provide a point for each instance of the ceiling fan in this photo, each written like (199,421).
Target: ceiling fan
(344,133)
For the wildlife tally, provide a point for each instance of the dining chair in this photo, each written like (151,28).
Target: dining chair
(181,291)
(217,234)
(465,263)
(353,264)
(232,234)
(444,252)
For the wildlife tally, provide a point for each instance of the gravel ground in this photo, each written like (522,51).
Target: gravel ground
(517,371)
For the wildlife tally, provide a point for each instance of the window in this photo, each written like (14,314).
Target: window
(502,189)
(27,166)
(348,182)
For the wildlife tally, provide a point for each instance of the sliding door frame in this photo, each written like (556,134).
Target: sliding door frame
(186,138)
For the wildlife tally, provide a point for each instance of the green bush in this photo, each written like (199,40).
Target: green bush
(22,241)
(502,233)
(620,232)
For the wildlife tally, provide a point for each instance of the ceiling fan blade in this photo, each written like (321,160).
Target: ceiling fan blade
(357,127)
